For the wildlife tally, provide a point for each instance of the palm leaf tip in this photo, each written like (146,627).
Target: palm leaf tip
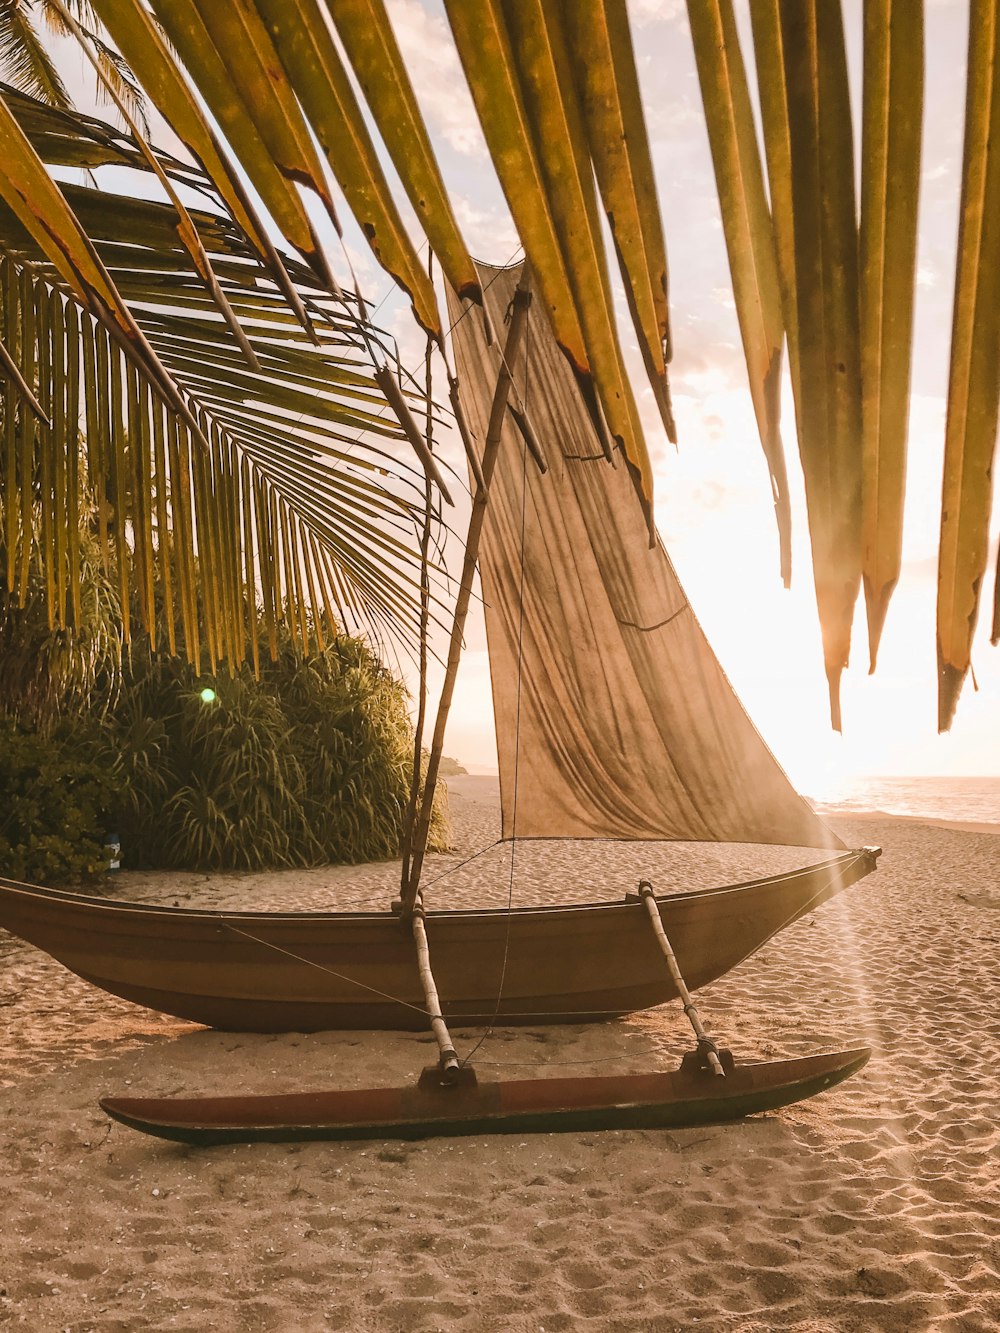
(950,682)
(876,607)
(833,675)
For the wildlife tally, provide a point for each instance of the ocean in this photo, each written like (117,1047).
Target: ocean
(972,800)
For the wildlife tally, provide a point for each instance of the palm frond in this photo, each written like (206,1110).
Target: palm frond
(974,378)
(890,186)
(265,130)
(62,17)
(366,34)
(556,92)
(812,152)
(600,43)
(750,240)
(265,100)
(24,61)
(517,62)
(301,494)
(310,57)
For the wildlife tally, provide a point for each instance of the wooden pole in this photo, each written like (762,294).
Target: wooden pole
(386,381)
(470,449)
(515,330)
(447,1055)
(705,1042)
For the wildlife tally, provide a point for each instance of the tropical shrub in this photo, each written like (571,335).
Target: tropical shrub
(310,764)
(451,768)
(57,798)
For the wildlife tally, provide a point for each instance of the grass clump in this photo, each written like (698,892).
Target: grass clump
(309,764)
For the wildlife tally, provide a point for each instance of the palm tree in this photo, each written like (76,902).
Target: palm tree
(280,481)
(27,65)
(556,91)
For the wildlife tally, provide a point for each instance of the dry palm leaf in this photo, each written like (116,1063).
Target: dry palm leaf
(974,380)
(186,229)
(364,29)
(274,152)
(772,89)
(517,63)
(140,40)
(813,116)
(604,67)
(33,196)
(746,222)
(320,82)
(890,184)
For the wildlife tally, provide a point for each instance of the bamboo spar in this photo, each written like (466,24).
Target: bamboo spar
(515,330)
(447,1055)
(705,1042)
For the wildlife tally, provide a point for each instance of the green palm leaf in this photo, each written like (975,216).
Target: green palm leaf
(24,61)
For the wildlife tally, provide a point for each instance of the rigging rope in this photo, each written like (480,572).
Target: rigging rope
(451,870)
(521,1015)
(341,976)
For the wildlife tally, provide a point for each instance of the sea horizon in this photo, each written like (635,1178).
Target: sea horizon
(968,799)
(965,799)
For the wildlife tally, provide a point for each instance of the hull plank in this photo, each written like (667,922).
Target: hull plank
(308,971)
(640,1101)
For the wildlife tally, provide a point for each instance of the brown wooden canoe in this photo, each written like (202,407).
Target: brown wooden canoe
(634,1101)
(305,971)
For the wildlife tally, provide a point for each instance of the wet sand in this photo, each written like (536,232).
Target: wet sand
(874,1206)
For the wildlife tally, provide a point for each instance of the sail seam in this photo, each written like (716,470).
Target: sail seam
(648,629)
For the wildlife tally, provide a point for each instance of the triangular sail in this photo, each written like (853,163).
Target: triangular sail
(614,718)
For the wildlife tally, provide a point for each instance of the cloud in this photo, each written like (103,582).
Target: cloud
(646,13)
(437,76)
(487,230)
(940,171)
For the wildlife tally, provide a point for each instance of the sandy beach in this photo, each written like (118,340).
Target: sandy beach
(875,1206)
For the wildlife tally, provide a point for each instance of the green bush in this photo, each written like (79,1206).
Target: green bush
(308,765)
(57,797)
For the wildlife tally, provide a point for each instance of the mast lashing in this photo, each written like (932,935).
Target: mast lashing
(707,1048)
(515,330)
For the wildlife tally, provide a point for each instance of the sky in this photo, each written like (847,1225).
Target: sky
(712,494)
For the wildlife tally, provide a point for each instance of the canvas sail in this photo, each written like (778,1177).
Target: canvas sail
(614,719)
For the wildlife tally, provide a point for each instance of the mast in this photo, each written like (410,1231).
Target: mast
(418,846)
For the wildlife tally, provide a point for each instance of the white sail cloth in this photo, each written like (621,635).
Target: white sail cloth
(614,718)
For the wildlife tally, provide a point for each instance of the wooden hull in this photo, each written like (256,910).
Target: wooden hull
(640,1101)
(306,971)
